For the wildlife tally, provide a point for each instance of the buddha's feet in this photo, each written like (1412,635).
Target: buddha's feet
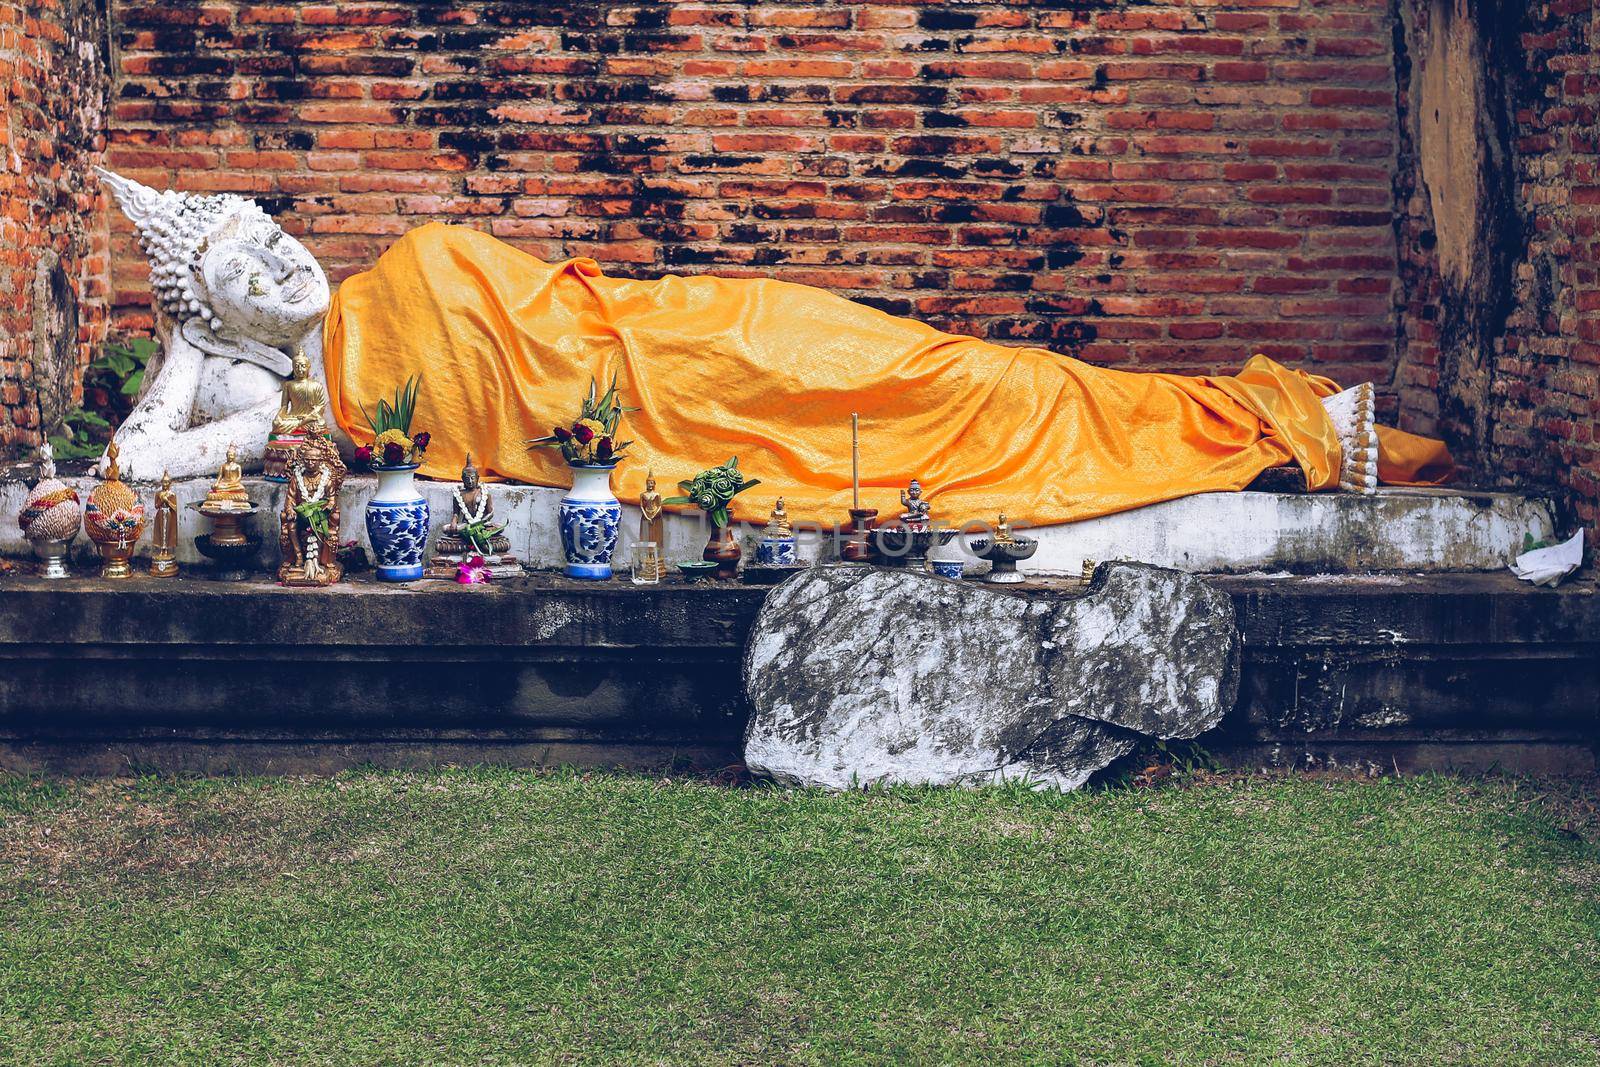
(1354,416)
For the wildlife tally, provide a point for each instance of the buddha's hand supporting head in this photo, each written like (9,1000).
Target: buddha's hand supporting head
(238,285)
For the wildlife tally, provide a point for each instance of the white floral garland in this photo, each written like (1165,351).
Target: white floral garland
(313,555)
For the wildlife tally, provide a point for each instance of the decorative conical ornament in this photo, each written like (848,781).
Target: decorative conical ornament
(50,517)
(114,519)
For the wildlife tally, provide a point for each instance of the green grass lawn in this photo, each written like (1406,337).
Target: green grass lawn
(508,916)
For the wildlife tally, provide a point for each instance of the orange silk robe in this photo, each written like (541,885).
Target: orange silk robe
(770,371)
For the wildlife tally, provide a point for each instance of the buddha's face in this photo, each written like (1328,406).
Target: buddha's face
(261,282)
(469,479)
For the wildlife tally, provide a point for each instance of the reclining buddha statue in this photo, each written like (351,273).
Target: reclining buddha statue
(766,370)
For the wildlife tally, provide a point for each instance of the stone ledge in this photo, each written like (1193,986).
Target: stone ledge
(1413,671)
(1395,530)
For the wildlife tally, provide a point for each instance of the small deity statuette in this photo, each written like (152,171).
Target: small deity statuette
(114,519)
(50,516)
(164,533)
(308,527)
(652,530)
(778,547)
(228,492)
(1004,551)
(229,545)
(915,517)
(471,534)
(471,526)
(304,407)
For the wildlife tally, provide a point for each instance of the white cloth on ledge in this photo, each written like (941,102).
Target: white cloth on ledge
(1547,566)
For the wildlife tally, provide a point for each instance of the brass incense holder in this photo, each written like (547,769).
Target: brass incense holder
(857,546)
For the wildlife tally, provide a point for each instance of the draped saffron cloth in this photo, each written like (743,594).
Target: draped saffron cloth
(771,371)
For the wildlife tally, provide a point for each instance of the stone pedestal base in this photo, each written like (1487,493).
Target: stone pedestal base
(274,465)
(444,566)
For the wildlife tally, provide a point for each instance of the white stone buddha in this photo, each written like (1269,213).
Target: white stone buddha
(234,296)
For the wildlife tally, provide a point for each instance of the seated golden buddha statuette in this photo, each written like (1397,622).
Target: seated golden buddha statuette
(304,406)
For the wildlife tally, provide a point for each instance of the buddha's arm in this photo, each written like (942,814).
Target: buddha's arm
(200,450)
(162,414)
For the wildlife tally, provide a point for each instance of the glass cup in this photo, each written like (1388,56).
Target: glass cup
(646,563)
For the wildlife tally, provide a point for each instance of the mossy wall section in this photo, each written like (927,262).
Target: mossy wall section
(54,283)
(1498,204)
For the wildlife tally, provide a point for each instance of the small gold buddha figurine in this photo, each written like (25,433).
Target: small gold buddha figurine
(778,522)
(304,402)
(650,521)
(303,410)
(1002,532)
(164,534)
(227,493)
(777,547)
(653,523)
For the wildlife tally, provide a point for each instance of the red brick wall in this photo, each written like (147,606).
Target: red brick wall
(52,113)
(1507,367)
(1153,186)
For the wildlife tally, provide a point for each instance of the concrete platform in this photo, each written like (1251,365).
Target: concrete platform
(1417,530)
(1466,671)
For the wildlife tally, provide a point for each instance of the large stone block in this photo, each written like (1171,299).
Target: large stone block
(857,676)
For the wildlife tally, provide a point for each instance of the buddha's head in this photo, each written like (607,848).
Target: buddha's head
(225,272)
(469,475)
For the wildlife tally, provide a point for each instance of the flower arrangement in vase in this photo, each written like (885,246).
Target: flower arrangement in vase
(590,514)
(711,491)
(397,515)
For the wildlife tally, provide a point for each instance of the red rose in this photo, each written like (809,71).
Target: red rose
(602,450)
(393,454)
(583,434)
(563,434)
(421,440)
(364,454)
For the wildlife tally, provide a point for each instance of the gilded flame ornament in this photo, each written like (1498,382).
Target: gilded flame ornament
(114,520)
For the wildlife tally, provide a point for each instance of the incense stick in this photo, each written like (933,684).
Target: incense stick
(855,461)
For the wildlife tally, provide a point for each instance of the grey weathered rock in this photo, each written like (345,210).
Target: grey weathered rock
(858,675)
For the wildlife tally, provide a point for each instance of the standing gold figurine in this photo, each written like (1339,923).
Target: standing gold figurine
(164,535)
(114,519)
(652,523)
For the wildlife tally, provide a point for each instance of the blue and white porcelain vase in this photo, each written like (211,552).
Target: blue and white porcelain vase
(397,524)
(590,518)
(777,552)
